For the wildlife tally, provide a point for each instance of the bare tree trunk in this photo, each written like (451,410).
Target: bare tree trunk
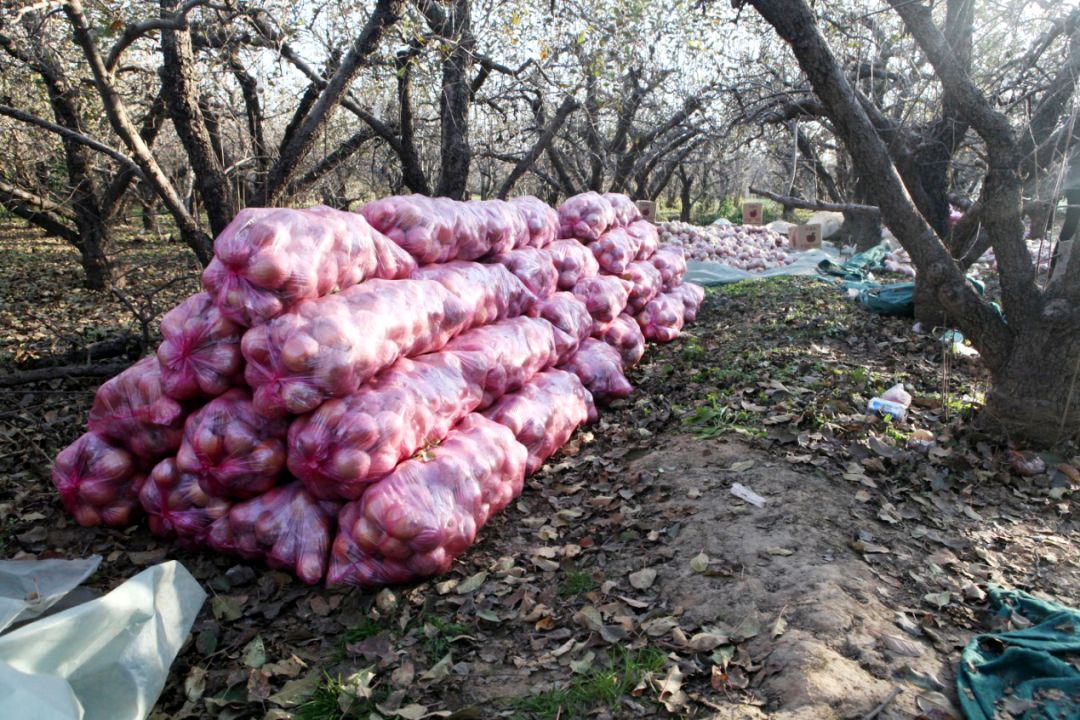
(190,231)
(456,154)
(412,171)
(542,143)
(685,201)
(300,143)
(181,91)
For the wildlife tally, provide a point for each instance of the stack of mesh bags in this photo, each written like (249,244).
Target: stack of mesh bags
(353,395)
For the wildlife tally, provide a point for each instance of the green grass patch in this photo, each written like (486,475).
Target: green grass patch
(578,582)
(439,635)
(715,419)
(326,703)
(367,628)
(596,687)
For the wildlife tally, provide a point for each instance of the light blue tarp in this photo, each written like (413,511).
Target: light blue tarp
(714,273)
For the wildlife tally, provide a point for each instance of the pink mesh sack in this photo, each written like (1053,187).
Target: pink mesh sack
(414,522)
(233,451)
(348,443)
(437,230)
(502,357)
(534,268)
(541,220)
(544,413)
(625,336)
(98,482)
(671,262)
(626,210)
(647,236)
(600,370)
(615,250)
(489,292)
(662,318)
(176,506)
(569,316)
(692,296)
(645,283)
(199,352)
(586,216)
(330,346)
(285,527)
(573,261)
(604,296)
(269,259)
(132,410)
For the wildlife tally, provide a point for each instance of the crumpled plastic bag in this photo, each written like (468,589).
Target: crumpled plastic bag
(199,352)
(569,315)
(233,451)
(330,346)
(98,481)
(600,369)
(544,413)
(177,506)
(285,527)
(615,250)
(670,260)
(586,216)
(438,230)
(540,218)
(351,442)
(662,319)
(269,259)
(626,210)
(604,296)
(624,335)
(106,659)
(133,410)
(535,268)
(415,521)
(573,261)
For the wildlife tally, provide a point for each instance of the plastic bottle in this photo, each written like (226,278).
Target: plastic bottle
(895,402)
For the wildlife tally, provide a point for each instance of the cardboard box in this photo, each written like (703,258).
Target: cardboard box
(753,213)
(805,237)
(647,208)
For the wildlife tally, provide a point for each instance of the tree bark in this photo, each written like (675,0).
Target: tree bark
(26,377)
(1035,395)
(181,91)
(384,15)
(685,202)
(116,111)
(412,171)
(456,154)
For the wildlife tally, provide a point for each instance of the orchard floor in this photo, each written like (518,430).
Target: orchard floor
(627,581)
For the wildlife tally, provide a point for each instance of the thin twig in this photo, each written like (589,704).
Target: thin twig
(888,699)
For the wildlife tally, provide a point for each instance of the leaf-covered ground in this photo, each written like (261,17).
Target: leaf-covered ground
(628,580)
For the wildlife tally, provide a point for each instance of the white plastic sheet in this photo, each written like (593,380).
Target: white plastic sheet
(28,589)
(106,659)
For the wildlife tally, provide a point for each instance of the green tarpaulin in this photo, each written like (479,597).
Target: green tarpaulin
(1032,673)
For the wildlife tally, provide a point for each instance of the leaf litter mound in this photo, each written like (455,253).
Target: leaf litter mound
(628,580)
